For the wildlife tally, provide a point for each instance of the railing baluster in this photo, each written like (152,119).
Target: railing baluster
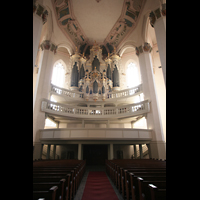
(132,108)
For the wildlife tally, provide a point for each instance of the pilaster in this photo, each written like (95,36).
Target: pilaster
(149,91)
(40,15)
(42,90)
(158,21)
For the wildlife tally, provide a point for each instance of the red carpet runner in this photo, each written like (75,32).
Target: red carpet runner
(98,187)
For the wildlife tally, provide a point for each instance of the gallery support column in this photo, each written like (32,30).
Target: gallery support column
(79,151)
(42,145)
(157,145)
(54,151)
(141,152)
(48,151)
(135,151)
(39,18)
(158,21)
(42,91)
(111,151)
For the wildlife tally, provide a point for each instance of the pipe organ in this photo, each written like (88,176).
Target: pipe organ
(95,77)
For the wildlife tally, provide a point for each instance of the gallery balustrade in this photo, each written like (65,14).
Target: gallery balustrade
(88,112)
(68,94)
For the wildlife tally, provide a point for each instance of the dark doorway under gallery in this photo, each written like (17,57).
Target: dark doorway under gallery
(95,154)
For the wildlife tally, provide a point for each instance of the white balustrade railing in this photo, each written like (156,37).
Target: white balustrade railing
(111,95)
(125,93)
(88,112)
(67,93)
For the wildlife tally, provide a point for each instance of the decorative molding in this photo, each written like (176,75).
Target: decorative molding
(145,48)
(68,23)
(40,11)
(122,28)
(156,14)
(48,45)
(126,22)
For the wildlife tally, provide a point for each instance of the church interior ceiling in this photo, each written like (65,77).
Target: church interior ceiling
(126,22)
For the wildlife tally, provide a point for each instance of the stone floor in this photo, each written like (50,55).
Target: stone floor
(81,188)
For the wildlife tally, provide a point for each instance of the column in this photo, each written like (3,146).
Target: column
(135,151)
(54,151)
(158,21)
(42,145)
(158,148)
(48,151)
(111,151)
(149,150)
(39,18)
(141,153)
(43,86)
(79,151)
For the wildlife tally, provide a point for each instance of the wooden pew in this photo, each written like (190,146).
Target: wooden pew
(113,166)
(144,191)
(55,179)
(59,165)
(127,182)
(133,182)
(49,194)
(157,194)
(64,175)
(125,177)
(123,171)
(134,188)
(53,172)
(43,186)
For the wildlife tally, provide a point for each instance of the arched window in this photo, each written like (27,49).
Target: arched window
(58,75)
(132,75)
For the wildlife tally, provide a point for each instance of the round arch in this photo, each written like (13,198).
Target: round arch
(67,46)
(126,46)
(148,32)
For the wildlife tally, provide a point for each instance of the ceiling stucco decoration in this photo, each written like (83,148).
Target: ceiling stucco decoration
(68,22)
(109,22)
(127,21)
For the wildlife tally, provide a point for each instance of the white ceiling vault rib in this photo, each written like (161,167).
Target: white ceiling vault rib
(108,22)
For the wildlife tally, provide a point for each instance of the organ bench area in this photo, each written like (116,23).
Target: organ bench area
(57,179)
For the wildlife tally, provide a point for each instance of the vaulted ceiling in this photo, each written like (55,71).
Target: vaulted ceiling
(108,22)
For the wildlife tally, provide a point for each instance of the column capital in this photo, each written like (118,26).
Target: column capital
(48,45)
(156,14)
(40,11)
(143,48)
